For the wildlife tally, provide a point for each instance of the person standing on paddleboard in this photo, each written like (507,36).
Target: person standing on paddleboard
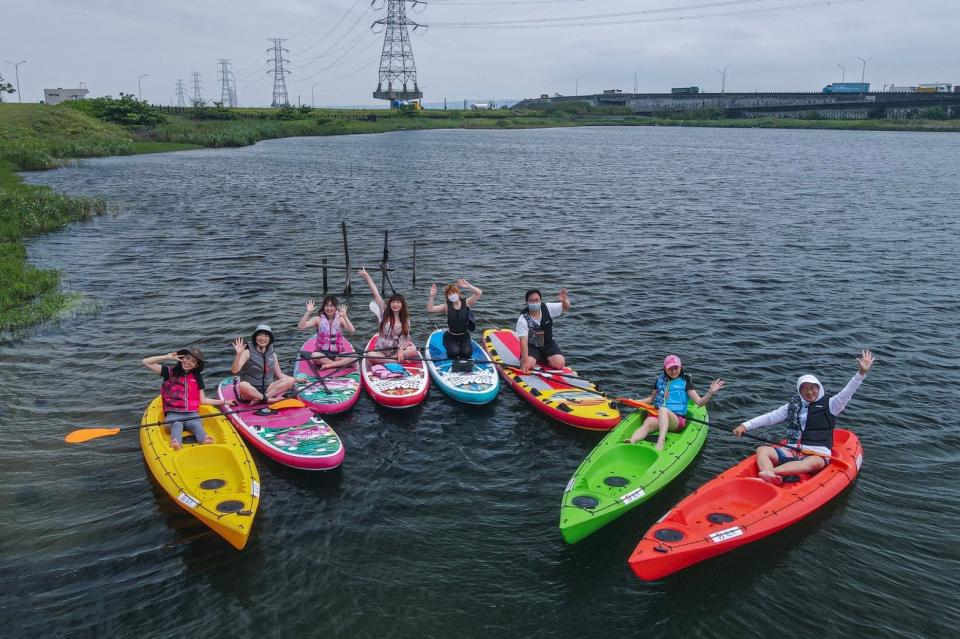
(535,331)
(182,393)
(393,336)
(456,339)
(670,394)
(259,376)
(811,417)
(330,324)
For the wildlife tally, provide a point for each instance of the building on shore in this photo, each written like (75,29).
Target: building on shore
(58,95)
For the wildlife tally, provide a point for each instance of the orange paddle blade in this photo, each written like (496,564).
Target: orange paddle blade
(86,434)
(287,403)
(637,404)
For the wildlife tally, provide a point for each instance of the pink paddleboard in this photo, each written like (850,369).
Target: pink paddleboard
(292,436)
(401,388)
(340,389)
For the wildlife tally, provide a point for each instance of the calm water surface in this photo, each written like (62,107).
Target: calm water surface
(757,255)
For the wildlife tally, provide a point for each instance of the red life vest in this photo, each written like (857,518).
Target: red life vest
(180,394)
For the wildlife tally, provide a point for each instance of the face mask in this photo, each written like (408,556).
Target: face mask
(453,297)
(534,306)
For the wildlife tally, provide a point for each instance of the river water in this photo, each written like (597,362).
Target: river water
(757,255)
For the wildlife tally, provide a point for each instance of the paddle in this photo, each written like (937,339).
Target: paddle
(806,451)
(86,434)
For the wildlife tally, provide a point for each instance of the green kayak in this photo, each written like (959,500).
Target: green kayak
(617,477)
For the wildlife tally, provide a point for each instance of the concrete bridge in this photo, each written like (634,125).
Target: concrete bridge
(840,106)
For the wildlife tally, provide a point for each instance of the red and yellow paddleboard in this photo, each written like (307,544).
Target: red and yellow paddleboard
(560,394)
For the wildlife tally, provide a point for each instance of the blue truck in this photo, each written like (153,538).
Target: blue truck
(847,87)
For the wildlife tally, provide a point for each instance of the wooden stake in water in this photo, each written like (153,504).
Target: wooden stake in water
(346,255)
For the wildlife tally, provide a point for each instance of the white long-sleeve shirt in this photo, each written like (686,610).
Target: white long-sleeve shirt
(837,403)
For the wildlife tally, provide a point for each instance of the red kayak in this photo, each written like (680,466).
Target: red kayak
(737,507)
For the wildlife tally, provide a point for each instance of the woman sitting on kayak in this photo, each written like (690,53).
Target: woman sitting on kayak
(670,394)
(182,393)
(810,416)
(393,337)
(535,331)
(259,376)
(456,339)
(329,323)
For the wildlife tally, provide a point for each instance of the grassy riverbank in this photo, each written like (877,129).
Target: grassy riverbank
(36,137)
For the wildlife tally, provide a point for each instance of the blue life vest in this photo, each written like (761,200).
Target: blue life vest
(677,398)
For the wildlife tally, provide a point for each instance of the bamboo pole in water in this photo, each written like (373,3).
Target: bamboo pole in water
(346,255)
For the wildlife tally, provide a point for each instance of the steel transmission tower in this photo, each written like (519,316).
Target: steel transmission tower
(181,100)
(279,73)
(228,94)
(197,100)
(398,72)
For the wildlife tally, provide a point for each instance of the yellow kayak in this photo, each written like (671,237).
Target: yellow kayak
(217,483)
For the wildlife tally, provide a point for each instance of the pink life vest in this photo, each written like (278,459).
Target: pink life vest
(329,334)
(180,394)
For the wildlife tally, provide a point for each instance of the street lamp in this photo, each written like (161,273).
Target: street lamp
(16,70)
(139,89)
(863,71)
(313,100)
(576,90)
(723,82)
(636,80)
(843,73)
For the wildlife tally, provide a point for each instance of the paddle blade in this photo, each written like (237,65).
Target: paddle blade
(287,403)
(637,404)
(86,434)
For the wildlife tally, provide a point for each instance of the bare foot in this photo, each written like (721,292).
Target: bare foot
(208,440)
(174,444)
(660,442)
(770,477)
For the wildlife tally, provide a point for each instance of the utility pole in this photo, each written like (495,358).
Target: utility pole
(397,78)
(863,71)
(313,98)
(279,73)
(197,94)
(139,87)
(181,100)
(227,94)
(636,81)
(16,70)
(843,73)
(723,81)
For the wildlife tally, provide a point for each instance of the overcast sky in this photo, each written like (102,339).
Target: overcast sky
(109,43)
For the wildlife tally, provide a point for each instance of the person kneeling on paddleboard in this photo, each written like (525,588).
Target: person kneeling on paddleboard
(810,416)
(330,324)
(535,331)
(259,376)
(182,393)
(456,339)
(670,394)
(393,336)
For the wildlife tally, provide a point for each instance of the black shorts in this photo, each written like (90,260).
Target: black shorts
(543,352)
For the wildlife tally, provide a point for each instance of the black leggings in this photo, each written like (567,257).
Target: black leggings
(457,345)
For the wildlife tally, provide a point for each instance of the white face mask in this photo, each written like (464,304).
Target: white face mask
(534,306)
(453,297)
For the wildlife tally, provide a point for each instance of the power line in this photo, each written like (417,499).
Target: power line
(338,40)
(350,48)
(545,23)
(332,29)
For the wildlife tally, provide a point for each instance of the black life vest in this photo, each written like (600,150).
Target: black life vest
(458,320)
(545,324)
(819,428)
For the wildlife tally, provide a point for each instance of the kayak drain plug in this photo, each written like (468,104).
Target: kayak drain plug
(230,506)
(668,534)
(720,518)
(586,502)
